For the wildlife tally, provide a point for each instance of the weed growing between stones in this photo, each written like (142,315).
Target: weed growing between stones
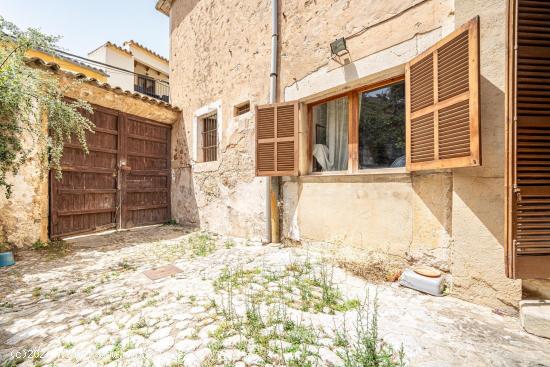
(235,278)
(167,251)
(229,244)
(363,346)
(67,345)
(140,328)
(124,265)
(88,289)
(54,249)
(202,244)
(37,292)
(261,313)
(39,245)
(179,362)
(6,305)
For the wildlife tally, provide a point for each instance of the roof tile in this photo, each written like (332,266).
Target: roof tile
(57,69)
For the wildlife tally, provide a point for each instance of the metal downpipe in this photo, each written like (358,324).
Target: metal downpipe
(272,183)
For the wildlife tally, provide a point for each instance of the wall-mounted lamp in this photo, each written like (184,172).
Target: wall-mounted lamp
(338,47)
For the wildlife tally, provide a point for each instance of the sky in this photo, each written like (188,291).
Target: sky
(86,24)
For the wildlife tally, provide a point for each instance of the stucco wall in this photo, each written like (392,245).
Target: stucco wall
(452,219)
(109,55)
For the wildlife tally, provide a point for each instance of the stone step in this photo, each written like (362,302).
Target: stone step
(535,317)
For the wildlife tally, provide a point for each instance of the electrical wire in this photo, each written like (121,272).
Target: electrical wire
(107,66)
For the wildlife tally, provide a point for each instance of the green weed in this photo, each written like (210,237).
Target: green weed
(202,244)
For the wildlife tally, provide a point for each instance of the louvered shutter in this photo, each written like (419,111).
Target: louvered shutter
(442,86)
(528,141)
(277,139)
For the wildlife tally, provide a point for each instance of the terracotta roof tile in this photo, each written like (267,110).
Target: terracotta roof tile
(132,42)
(164,6)
(57,69)
(79,63)
(110,44)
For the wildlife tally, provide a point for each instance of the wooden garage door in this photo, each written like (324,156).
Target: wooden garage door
(123,182)
(146,181)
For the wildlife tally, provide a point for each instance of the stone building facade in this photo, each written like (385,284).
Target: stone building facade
(450,218)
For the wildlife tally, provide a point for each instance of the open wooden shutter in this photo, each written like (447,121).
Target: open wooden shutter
(277,139)
(528,140)
(442,103)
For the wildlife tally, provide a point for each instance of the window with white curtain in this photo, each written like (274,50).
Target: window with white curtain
(360,130)
(330,135)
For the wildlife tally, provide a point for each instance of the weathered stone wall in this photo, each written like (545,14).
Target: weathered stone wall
(24,216)
(220,52)
(452,219)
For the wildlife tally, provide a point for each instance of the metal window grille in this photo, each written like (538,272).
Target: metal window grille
(210,139)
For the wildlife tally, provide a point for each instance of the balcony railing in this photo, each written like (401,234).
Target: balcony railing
(152,87)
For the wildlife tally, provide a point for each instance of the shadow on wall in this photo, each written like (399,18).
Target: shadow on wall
(434,189)
(184,203)
(350,72)
(478,214)
(179,12)
(481,189)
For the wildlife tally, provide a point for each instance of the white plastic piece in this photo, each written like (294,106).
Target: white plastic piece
(430,285)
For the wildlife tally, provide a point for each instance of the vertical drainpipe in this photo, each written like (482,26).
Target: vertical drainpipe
(272,183)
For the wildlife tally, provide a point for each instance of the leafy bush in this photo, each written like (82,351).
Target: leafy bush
(27,96)
(5,247)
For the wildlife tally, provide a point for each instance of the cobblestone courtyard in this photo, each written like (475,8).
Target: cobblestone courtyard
(235,303)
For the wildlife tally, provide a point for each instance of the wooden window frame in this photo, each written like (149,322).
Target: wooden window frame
(146,82)
(353,130)
(238,109)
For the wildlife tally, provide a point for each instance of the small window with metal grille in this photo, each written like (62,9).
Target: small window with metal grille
(241,108)
(209,138)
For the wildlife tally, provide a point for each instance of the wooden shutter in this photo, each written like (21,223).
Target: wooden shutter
(528,140)
(277,139)
(442,103)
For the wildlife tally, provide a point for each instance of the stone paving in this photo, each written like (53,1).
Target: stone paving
(235,303)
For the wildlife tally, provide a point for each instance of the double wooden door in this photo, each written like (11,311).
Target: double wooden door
(123,182)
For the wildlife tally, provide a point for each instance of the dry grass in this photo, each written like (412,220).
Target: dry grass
(376,270)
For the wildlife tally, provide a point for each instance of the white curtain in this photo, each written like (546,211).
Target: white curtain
(337,133)
(334,156)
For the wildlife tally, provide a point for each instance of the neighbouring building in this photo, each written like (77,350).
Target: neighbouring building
(69,64)
(149,70)
(418,136)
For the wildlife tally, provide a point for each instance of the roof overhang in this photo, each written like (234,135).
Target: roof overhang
(164,6)
(56,69)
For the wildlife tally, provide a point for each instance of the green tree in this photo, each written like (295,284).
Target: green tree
(27,96)
(382,123)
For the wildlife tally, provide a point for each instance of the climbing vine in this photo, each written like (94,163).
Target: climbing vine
(28,95)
